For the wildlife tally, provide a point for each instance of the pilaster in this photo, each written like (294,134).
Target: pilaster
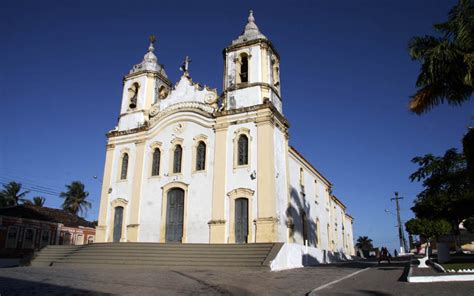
(133,227)
(101,229)
(217,224)
(266,198)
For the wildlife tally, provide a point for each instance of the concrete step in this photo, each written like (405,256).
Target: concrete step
(184,255)
(169,258)
(165,252)
(181,247)
(154,263)
(155,254)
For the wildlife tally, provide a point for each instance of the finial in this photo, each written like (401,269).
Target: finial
(251,19)
(152,39)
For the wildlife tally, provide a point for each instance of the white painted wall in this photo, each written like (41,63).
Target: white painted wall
(186,91)
(296,256)
(133,117)
(315,203)
(199,198)
(240,177)
(121,188)
(244,97)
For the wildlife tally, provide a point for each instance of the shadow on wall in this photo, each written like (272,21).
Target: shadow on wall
(328,257)
(304,226)
(298,209)
(11,286)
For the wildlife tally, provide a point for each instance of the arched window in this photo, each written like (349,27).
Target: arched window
(155,166)
(178,151)
(133,95)
(243,150)
(244,69)
(201,156)
(123,172)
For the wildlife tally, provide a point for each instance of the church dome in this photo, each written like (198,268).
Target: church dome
(150,61)
(251,31)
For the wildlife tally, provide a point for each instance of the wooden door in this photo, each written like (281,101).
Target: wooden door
(118,219)
(174,216)
(241,220)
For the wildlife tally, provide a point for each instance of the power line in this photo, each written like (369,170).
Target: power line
(33,189)
(31,184)
(25,180)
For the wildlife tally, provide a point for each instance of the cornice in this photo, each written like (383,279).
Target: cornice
(148,72)
(266,104)
(260,41)
(245,85)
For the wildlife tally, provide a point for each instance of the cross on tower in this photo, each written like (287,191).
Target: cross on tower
(185,66)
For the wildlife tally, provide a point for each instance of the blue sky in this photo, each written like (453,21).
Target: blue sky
(345,75)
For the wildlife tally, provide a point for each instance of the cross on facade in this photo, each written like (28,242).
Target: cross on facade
(185,66)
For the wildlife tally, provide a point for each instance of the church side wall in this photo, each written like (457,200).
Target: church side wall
(349,235)
(308,194)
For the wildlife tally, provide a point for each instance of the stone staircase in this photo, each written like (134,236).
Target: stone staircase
(158,255)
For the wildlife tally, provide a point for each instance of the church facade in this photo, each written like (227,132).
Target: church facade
(186,165)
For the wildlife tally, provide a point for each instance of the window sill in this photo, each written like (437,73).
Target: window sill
(175,174)
(244,166)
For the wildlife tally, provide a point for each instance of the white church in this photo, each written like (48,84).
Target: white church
(187,165)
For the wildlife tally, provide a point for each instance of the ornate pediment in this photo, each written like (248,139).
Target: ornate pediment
(187,94)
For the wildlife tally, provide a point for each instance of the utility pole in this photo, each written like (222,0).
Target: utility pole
(401,234)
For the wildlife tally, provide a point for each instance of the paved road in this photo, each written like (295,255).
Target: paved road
(390,279)
(382,280)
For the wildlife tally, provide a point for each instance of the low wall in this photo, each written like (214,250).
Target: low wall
(296,256)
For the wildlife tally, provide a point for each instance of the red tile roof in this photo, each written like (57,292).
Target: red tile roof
(45,214)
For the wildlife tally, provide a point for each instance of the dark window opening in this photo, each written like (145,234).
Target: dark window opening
(178,151)
(201,156)
(243,146)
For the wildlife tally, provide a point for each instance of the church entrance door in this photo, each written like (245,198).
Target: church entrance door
(174,216)
(241,220)
(118,218)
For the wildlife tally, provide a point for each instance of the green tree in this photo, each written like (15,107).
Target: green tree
(364,243)
(11,194)
(428,229)
(447,192)
(468,148)
(447,61)
(75,198)
(38,201)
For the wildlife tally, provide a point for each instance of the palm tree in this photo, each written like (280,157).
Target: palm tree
(75,198)
(10,195)
(364,243)
(38,201)
(447,62)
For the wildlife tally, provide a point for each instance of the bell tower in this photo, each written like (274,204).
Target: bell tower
(252,70)
(144,86)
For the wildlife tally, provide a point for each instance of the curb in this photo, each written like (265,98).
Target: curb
(438,278)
